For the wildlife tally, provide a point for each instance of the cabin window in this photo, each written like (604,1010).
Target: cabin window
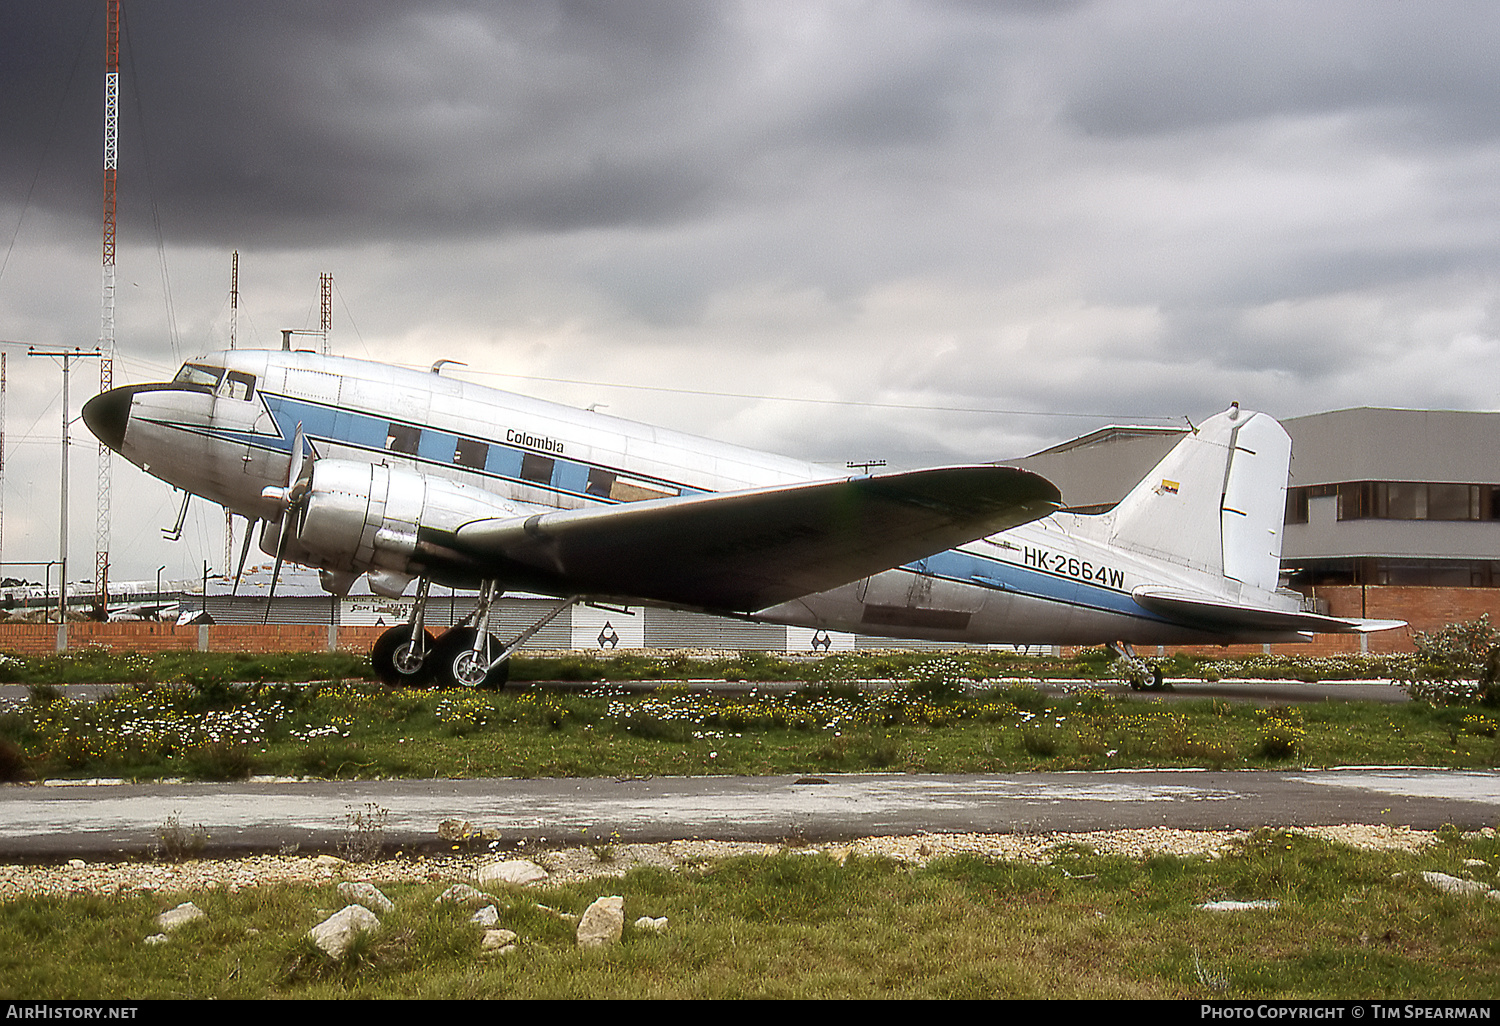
(536,468)
(403,438)
(470,453)
(600,482)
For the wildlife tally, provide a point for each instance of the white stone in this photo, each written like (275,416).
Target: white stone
(337,933)
(462,894)
(366,894)
(487,916)
(1238,906)
(1453,885)
(184,913)
(518,872)
(498,942)
(603,922)
(156,938)
(650,925)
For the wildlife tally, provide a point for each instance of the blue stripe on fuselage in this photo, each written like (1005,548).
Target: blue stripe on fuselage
(971,568)
(435,447)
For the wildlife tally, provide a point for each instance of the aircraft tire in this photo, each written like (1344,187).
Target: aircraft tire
(455,665)
(388,656)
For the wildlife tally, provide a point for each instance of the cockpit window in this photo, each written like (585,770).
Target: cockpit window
(238,385)
(199,374)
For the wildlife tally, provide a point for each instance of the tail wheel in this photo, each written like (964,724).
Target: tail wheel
(399,663)
(459,665)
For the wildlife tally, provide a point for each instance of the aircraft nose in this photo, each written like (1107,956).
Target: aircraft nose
(107,414)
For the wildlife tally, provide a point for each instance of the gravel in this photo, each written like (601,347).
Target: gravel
(570,864)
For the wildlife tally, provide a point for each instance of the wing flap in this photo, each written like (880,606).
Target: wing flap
(743,551)
(1201,610)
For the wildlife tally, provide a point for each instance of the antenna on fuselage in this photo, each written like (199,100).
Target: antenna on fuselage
(437,368)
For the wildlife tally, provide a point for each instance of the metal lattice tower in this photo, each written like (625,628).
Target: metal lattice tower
(325,283)
(107,303)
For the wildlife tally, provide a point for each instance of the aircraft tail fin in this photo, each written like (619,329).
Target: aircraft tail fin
(1216,502)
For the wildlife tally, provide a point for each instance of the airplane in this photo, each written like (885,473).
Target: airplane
(362,468)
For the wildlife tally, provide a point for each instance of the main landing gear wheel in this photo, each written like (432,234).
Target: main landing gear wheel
(398,662)
(459,665)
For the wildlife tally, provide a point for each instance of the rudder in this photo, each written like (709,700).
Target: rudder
(1216,502)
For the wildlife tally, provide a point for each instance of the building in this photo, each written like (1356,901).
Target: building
(1390,513)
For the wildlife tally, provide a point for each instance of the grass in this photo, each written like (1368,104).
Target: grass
(935,722)
(1351,924)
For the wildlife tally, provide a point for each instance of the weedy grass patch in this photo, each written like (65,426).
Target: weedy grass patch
(939,720)
(1346,923)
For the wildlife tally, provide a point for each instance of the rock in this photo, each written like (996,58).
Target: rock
(487,916)
(337,933)
(173,918)
(366,894)
(649,925)
(498,942)
(454,830)
(1453,885)
(603,922)
(518,872)
(1238,906)
(328,861)
(156,938)
(462,894)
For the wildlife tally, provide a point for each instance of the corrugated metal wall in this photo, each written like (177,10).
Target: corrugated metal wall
(580,628)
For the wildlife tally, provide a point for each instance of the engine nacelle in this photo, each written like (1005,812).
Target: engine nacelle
(362,517)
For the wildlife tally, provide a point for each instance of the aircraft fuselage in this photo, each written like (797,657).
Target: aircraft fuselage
(226,427)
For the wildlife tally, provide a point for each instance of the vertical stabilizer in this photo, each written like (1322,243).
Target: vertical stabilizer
(1216,503)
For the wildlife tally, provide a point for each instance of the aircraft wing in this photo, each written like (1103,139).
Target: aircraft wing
(743,551)
(1200,610)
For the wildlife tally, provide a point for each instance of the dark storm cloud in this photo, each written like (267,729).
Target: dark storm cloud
(291,121)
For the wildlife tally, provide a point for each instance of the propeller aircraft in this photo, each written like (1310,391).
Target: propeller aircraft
(362,468)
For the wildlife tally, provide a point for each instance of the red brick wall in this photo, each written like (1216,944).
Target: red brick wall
(1424,609)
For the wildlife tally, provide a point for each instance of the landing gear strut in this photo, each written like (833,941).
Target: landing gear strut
(466,656)
(401,654)
(1135,671)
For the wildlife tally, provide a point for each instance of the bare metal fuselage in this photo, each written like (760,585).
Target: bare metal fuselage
(228,435)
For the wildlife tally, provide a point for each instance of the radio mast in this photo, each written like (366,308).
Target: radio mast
(107,303)
(325,283)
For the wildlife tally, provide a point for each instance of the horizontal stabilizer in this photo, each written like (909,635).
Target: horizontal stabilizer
(1203,611)
(743,551)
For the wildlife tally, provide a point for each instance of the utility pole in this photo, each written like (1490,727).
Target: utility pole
(68,355)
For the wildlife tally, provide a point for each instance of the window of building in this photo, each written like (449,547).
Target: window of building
(1414,500)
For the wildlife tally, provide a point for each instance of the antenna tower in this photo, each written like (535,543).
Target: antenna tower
(325,282)
(107,304)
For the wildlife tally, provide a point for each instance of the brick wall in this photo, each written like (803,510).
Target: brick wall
(1424,609)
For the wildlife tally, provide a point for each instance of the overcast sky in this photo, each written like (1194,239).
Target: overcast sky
(1057,214)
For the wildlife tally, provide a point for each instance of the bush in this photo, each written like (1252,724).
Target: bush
(1458,665)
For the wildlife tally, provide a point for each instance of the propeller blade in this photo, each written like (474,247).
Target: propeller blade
(292,497)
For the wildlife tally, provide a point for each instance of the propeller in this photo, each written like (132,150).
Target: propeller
(292,498)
